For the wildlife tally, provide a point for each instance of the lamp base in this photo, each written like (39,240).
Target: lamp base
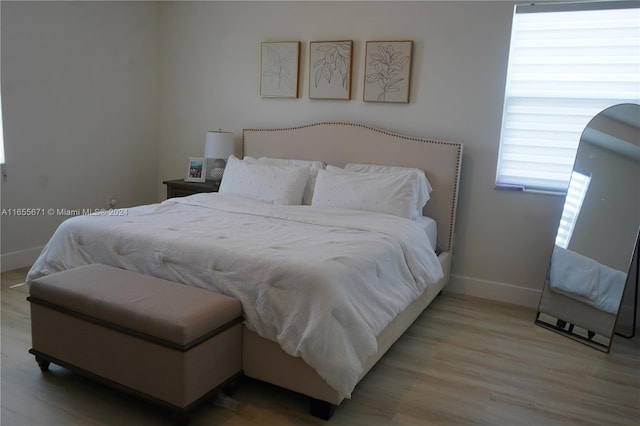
(215,169)
(216,175)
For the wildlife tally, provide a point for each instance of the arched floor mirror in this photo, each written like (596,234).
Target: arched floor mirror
(597,238)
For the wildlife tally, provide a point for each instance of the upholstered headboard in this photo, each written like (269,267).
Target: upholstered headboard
(341,143)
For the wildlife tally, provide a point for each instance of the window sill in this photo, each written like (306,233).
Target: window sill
(522,188)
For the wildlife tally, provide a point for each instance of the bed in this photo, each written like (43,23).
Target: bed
(267,356)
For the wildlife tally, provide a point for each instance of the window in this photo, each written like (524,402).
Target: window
(568,61)
(578,187)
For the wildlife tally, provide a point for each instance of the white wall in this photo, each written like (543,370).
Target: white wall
(79,92)
(210,66)
(80,96)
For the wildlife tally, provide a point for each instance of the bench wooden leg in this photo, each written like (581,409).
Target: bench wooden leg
(43,364)
(321,409)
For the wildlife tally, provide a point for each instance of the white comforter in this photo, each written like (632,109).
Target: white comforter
(320,282)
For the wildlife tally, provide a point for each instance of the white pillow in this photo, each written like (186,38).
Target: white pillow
(423,187)
(391,193)
(312,166)
(264,182)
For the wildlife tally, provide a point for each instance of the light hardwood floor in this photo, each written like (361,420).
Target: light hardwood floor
(465,361)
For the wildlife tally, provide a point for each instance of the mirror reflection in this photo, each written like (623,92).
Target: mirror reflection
(598,231)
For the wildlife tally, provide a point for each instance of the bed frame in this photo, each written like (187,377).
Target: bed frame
(338,143)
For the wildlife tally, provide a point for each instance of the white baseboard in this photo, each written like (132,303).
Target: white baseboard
(19,259)
(493,290)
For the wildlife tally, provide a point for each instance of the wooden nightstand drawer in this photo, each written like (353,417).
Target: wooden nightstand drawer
(180,188)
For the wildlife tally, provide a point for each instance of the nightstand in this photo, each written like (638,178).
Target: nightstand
(180,188)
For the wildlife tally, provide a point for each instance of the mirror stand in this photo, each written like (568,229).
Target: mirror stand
(635,292)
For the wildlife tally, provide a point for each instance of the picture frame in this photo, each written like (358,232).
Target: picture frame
(387,71)
(330,69)
(279,69)
(196,169)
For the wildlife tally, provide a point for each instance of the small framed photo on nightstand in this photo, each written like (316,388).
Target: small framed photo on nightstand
(195,170)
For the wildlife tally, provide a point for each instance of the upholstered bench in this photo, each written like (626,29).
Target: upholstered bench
(165,341)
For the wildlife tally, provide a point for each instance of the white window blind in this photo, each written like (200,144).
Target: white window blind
(567,62)
(578,187)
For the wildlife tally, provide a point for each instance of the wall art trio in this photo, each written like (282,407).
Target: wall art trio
(387,70)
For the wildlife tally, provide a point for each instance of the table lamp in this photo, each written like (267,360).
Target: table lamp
(218,146)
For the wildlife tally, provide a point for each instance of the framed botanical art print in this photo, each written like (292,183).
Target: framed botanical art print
(387,71)
(279,66)
(195,170)
(330,69)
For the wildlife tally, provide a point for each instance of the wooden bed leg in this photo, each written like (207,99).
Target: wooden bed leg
(321,409)
(43,364)
(230,387)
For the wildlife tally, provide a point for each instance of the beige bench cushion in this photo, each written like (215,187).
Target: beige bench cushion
(169,311)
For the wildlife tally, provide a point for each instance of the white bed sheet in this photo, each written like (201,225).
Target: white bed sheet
(430,228)
(322,283)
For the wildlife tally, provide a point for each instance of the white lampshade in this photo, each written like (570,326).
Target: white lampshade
(218,146)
